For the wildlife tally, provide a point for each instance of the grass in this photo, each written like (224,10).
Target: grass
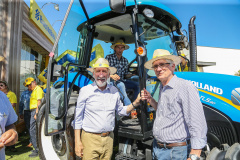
(22,150)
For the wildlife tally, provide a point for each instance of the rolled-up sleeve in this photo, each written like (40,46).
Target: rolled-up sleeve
(194,117)
(79,111)
(121,110)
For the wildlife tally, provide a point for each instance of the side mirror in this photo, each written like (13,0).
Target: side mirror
(235,97)
(57,71)
(118,6)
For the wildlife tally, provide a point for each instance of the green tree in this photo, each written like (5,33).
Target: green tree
(237,73)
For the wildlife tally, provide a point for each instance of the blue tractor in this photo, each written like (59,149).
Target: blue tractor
(145,25)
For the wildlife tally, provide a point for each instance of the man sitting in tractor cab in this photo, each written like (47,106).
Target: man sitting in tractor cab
(185,64)
(121,63)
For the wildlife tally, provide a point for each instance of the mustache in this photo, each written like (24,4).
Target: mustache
(101,78)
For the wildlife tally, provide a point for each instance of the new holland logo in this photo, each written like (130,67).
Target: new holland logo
(208,87)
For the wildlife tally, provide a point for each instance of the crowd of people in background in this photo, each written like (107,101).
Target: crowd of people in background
(30,99)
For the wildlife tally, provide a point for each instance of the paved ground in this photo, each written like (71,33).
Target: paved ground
(22,151)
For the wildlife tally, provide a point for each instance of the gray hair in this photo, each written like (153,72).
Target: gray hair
(170,61)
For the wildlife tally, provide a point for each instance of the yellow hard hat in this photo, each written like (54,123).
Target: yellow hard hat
(183,55)
(28,81)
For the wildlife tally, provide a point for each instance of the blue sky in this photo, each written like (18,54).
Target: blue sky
(217,21)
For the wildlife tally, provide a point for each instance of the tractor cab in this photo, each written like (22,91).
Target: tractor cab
(144,26)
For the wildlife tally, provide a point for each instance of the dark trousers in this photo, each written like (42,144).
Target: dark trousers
(33,130)
(132,85)
(27,117)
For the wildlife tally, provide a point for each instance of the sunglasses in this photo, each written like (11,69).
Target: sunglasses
(161,65)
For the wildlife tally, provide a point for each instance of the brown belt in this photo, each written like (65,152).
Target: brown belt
(170,145)
(101,134)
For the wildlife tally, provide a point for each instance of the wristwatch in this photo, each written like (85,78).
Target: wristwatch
(194,157)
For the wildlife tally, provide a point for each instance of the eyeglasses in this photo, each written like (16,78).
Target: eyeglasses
(161,65)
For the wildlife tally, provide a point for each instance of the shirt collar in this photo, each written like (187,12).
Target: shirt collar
(115,56)
(172,81)
(95,87)
(35,88)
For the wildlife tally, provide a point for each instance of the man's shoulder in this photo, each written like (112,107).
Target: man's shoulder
(89,87)
(184,83)
(25,92)
(10,93)
(39,89)
(3,95)
(113,89)
(180,80)
(109,56)
(124,58)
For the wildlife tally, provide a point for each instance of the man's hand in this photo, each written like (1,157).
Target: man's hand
(21,116)
(145,95)
(79,149)
(196,152)
(137,101)
(8,138)
(115,77)
(35,116)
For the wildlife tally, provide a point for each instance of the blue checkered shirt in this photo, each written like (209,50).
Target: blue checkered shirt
(121,65)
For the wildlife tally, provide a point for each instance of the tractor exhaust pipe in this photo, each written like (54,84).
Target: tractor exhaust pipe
(192,44)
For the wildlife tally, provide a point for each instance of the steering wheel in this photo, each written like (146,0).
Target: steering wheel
(133,68)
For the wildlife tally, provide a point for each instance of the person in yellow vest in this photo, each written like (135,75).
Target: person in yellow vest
(185,64)
(11,95)
(35,101)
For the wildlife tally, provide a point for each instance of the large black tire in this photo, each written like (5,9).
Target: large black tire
(51,147)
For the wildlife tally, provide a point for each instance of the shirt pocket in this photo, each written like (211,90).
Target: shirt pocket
(95,103)
(111,104)
(170,111)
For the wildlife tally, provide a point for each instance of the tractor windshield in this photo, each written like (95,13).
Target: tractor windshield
(152,32)
(71,44)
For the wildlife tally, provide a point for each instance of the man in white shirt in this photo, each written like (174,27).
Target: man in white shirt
(95,114)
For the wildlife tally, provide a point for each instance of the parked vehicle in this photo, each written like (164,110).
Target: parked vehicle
(149,25)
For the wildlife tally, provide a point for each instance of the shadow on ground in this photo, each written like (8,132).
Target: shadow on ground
(22,151)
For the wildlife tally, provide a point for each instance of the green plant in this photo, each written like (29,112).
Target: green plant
(237,73)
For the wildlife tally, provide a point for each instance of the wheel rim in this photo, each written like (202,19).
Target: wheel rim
(59,144)
(54,147)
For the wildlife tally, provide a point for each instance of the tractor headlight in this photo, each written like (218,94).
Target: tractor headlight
(148,13)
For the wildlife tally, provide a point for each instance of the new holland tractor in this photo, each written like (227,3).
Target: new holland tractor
(145,25)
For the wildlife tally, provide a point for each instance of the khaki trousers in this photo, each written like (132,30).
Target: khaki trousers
(97,147)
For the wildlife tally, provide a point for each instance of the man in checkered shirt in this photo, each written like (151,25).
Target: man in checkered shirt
(121,63)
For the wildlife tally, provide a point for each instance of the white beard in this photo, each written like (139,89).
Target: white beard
(101,84)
